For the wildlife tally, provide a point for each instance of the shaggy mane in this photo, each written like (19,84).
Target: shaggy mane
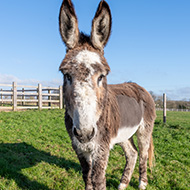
(84,38)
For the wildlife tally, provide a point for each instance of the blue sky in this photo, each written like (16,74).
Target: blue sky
(149,44)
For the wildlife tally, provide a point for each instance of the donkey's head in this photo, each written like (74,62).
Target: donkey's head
(85,69)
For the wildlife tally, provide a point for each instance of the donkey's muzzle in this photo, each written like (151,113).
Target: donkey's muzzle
(83,136)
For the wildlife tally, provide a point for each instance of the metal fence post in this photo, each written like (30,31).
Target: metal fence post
(164,108)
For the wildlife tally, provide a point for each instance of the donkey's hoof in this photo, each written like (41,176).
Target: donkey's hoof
(122,186)
(142,185)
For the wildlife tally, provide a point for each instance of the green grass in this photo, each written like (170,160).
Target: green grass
(36,153)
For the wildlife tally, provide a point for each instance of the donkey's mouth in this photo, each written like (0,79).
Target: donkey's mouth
(83,137)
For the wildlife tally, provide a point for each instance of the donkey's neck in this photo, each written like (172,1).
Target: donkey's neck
(109,121)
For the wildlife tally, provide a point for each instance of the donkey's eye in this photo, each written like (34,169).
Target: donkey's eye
(100,78)
(68,78)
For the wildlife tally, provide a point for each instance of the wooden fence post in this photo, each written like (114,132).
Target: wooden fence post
(39,96)
(164,108)
(60,97)
(1,96)
(23,97)
(49,97)
(14,96)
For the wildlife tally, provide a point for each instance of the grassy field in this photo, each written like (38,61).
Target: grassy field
(36,153)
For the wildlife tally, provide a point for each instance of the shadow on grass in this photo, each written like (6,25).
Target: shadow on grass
(18,156)
(112,182)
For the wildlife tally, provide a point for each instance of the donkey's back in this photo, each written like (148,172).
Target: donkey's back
(135,103)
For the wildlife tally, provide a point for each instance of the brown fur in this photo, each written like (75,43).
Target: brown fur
(67,9)
(93,159)
(109,123)
(140,94)
(98,28)
(131,157)
(73,52)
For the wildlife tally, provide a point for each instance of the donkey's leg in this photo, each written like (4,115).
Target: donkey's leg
(131,157)
(143,135)
(98,169)
(86,166)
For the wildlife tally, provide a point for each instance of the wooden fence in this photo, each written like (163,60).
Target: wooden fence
(17,97)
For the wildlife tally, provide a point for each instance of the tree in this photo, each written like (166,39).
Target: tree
(153,95)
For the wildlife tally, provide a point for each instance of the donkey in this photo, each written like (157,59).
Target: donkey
(99,115)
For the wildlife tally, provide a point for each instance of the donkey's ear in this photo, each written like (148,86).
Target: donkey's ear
(68,24)
(101,26)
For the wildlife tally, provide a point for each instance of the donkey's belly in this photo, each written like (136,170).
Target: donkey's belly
(124,133)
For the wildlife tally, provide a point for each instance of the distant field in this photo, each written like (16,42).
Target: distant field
(36,154)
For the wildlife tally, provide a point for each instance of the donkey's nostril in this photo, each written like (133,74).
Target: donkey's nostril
(83,136)
(77,132)
(92,134)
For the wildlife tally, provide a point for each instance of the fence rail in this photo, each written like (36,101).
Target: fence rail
(17,97)
(172,109)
